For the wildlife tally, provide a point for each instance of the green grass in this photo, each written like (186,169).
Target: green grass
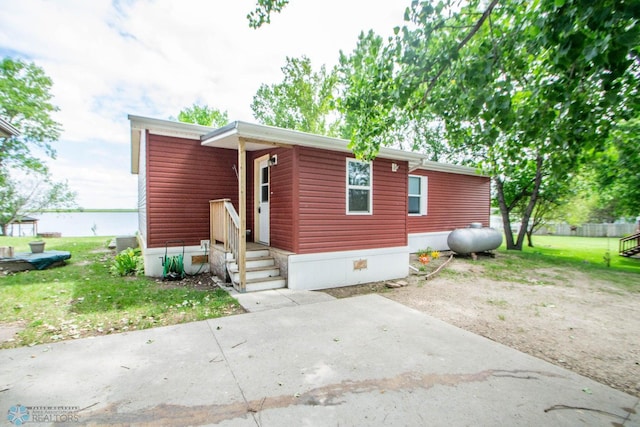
(83,298)
(559,260)
(586,250)
(555,259)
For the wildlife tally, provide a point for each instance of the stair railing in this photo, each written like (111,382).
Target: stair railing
(225,228)
(629,245)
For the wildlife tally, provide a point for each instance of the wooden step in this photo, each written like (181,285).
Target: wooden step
(260,253)
(255,273)
(253,263)
(631,252)
(261,271)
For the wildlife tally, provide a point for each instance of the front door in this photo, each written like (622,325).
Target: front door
(262,193)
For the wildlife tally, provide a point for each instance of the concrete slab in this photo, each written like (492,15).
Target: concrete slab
(278,298)
(357,361)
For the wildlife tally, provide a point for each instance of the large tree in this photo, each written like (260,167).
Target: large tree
(32,192)
(203,115)
(303,101)
(524,89)
(25,102)
(616,172)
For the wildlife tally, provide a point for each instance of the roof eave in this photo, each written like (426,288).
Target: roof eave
(141,124)
(7,129)
(270,134)
(450,168)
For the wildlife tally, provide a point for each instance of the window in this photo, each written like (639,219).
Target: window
(359,185)
(417,195)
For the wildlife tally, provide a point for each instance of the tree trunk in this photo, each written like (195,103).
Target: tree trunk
(531,205)
(529,234)
(504,212)
(4,229)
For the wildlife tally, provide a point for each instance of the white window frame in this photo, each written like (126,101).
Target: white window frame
(359,187)
(424,191)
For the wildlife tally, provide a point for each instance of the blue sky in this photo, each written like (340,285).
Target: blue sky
(108,59)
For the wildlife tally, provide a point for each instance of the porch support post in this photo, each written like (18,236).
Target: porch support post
(242,213)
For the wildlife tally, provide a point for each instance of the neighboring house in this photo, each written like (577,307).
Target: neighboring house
(314,217)
(6,130)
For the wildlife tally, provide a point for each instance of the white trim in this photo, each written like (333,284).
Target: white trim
(7,129)
(424,195)
(257,195)
(260,135)
(446,167)
(153,259)
(255,132)
(359,187)
(436,240)
(424,190)
(169,127)
(336,269)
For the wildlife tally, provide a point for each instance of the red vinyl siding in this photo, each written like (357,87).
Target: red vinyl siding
(323,224)
(282,201)
(182,177)
(454,201)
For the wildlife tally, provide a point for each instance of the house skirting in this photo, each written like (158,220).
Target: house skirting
(345,268)
(193,255)
(435,240)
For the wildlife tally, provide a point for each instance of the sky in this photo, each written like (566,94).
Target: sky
(108,59)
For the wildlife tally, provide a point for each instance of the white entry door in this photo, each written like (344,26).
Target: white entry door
(263,193)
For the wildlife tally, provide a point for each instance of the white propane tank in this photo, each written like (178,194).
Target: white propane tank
(474,238)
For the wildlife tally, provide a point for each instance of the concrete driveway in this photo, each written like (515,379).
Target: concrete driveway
(351,362)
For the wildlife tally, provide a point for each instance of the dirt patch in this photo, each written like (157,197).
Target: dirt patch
(8,330)
(202,282)
(565,317)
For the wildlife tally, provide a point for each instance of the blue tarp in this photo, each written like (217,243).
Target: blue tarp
(43,260)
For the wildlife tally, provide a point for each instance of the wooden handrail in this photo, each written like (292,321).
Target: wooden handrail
(628,243)
(217,220)
(225,228)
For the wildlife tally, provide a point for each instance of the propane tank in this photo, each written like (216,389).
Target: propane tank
(474,238)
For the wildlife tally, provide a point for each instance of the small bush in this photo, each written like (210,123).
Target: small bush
(424,252)
(128,262)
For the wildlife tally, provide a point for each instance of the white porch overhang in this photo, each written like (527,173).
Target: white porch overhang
(258,136)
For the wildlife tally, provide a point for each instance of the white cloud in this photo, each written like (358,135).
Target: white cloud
(108,59)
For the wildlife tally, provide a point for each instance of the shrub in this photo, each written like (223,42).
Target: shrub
(128,262)
(424,252)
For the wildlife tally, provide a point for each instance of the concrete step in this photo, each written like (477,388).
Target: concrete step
(256,285)
(255,273)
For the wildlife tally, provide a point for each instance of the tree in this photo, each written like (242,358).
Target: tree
(303,101)
(553,196)
(30,194)
(524,89)
(617,170)
(25,103)
(203,115)
(262,13)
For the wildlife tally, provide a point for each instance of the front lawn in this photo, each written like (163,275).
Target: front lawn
(84,299)
(590,251)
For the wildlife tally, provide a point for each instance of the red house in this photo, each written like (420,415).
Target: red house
(314,217)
